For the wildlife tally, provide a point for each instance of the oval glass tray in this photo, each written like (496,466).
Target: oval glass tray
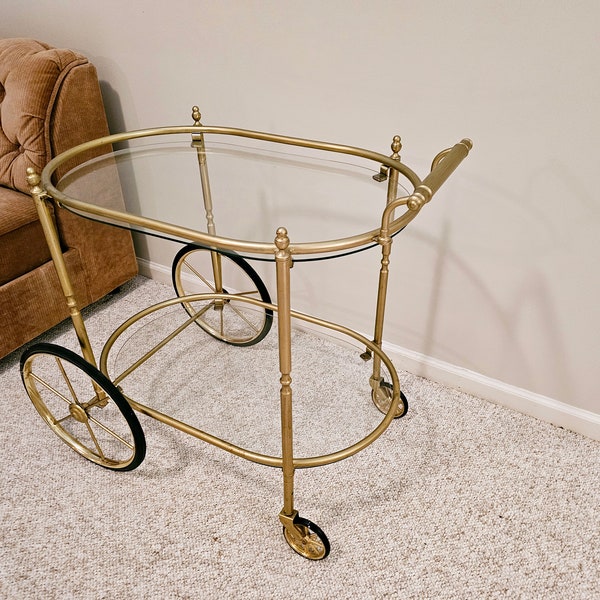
(253,190)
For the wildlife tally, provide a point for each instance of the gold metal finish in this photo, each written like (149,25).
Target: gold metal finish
(299,463)
(198,143)
(251,306)
(283,264)
(41,200)
(385,241)
(304,537)
(200,270)
(80,407)
(305,542)
(78,413)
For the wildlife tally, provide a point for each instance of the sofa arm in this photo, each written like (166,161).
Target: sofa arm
(50,101)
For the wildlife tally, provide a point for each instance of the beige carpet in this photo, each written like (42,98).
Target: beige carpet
(459,499)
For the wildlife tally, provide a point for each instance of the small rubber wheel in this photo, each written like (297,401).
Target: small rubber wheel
(232,321)
(382,398)
(307,539)
(83,407)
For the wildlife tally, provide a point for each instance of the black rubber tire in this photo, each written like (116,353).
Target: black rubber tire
(30,379)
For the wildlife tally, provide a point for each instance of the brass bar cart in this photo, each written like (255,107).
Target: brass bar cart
(91,410)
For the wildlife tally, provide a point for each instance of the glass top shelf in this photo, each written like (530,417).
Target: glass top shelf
(254,187)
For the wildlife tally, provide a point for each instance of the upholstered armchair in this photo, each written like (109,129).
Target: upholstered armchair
(50,100)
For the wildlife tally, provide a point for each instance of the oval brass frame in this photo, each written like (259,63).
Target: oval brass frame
(336,245)
(256,457)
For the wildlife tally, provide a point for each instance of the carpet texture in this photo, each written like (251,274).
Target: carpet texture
(459,499)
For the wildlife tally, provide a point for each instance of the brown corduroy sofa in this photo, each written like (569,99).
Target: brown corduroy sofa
(50,101)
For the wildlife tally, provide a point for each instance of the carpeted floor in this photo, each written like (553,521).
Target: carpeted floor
(459,499)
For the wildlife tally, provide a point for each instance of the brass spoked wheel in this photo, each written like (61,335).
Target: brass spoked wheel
(307,539)
(83,407)
(382,397)
(199,270)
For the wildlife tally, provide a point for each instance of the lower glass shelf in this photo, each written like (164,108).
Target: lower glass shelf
(233,392)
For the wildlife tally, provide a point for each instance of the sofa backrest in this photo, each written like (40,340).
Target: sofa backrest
(50,100)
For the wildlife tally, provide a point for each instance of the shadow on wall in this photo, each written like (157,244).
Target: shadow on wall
(116,124)
(113,107)
(475,289)
(513,337)
(511,276)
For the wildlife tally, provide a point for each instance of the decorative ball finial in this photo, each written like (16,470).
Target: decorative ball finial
(282,241)
(396,144)
(196,115)
(33,177)
(416,202)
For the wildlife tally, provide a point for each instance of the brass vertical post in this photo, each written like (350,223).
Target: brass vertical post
(385,241)
(49,227)
(283,264)
(198,143)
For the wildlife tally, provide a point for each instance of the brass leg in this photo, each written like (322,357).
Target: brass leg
(49,227)
(198,143)
(382,391)
(283,263)
(392,175)
(304,537)
(380,309)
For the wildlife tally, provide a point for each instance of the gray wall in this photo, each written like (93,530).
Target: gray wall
(496,283)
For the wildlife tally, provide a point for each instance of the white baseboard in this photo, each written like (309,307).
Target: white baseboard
(524,401)
(153,270)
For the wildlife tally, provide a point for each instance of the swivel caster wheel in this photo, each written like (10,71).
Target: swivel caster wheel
(382,398)
(306,539)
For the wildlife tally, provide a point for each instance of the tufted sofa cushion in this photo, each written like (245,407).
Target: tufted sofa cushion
(31,74)
(22,244)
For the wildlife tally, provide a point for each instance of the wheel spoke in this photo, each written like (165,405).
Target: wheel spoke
(52,389)
(111,432)
(242,316)
(66,378)
(196,314)
(239,327)
(58,421)
(199,275)
(95,440)
(248,293)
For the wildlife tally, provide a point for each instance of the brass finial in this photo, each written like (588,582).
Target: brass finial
(33,179)
(282,241)
(396,145)
(415,202)
(196,115)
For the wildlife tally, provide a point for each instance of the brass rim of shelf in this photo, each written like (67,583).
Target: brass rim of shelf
(330,246)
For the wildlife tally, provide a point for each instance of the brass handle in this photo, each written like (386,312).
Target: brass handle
(444,164)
